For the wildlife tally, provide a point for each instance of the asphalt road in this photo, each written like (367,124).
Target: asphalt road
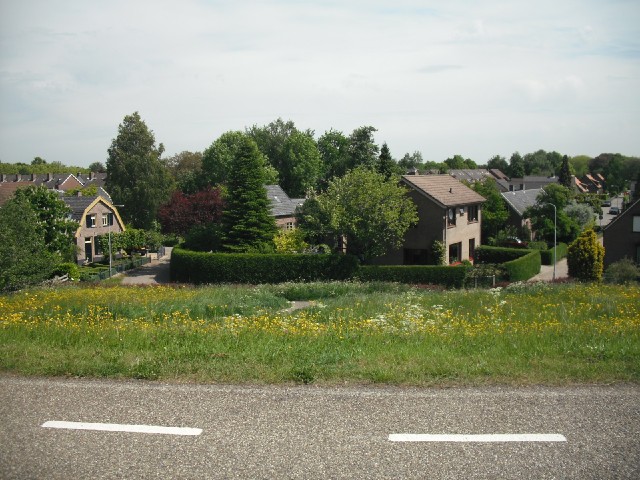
(312,432)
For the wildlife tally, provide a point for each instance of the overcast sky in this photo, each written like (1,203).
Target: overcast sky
(475,78)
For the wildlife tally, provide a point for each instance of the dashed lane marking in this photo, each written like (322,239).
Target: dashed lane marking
(494,437)
(115,427)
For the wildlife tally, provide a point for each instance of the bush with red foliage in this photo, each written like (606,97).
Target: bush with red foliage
(184,211)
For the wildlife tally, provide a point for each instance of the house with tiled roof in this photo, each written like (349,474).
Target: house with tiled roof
(283,208)
(517,202)
(448,211)
(97,217)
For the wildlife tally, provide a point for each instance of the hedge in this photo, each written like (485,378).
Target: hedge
(546,256)
(452,277)
(486,254)
(524,267)
(201,267)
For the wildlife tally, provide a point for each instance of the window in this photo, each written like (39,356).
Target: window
(91,221)
(472,248)
(105,219)
(472,213)
(290,226)
(98,245)
(451,217)
(636,223)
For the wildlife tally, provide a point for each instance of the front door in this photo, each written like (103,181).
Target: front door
(88,250)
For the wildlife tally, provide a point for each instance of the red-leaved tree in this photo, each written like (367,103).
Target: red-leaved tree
(183,212)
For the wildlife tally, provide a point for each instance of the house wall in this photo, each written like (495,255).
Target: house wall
(620,240)
(282,222)
(431,227)
(90,233)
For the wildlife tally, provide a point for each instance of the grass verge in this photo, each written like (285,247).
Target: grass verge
(352,333)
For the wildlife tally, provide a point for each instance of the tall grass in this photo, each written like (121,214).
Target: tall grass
(352,332)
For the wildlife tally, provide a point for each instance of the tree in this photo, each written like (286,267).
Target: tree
(246,220)
(334,152)
(494,210)
(185,211)
(542,214)
(373,213)
(135,175)
(38,161)
(499,163)
(516,166)
(24,257)
(585,257)
(53,220)
(292,153)
(363,151)
(301,166)
(186,169)
(387,166)
(409,162)
(97,167)
(564,177)
(580,165)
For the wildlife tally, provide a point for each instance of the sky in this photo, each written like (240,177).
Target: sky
(473,78)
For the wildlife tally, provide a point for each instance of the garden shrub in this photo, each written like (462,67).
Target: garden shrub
(585,257)
(546,256)
(70,269)
(201,267)
(524,267)
(486,254)
(622,272)
(452,277)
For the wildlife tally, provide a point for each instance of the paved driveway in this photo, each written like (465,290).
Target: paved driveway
(153,273)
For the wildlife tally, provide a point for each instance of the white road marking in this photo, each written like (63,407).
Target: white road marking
(114,427)
(495,437)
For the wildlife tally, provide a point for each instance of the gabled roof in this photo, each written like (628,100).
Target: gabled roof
(281,204)
(7,189)
(443,189)
(470,174)
(519,200)
(80,206)
(622,214)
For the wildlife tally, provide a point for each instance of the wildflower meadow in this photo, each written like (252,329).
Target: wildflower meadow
(349,332)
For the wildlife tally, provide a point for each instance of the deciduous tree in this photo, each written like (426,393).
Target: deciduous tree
(373,213)
(24,256)
(185,211)
(53,219)
(136,176)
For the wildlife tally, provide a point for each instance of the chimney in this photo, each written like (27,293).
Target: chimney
(91,175)
(78,193)
(33,177)
(49,177)
(3,177)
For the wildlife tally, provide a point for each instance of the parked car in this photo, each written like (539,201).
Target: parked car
(606,203)
(614,211)
(515,242)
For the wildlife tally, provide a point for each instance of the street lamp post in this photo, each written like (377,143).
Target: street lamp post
(555,230)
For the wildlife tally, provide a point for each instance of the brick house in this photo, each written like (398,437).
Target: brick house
(448,211)
(283,208)
(97,217)
(621,238)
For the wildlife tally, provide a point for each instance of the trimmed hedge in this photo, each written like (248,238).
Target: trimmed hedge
(486,254)
(452,277)
(546,256)
(202,267)
(524,267)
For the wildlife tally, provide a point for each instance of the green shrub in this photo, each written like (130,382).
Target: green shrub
(585,257)
(546,256)
(201,267)
(70,269)
(524,267)
(486,254)
(622,272)
(452,277)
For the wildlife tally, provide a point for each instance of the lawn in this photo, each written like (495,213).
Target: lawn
(352,333)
